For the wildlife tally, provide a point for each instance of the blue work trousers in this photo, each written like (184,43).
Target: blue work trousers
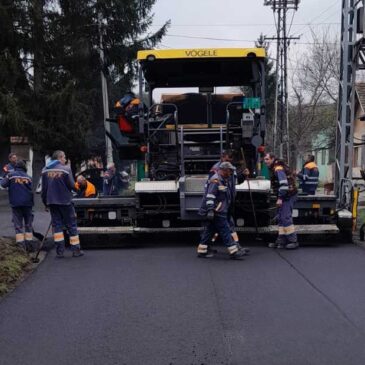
(64,216)
(219,225)
(285,222)
(22,220)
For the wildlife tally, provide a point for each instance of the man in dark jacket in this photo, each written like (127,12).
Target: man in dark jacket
(57,184)
(215,206)
(227,156)
(283,185)
(19,186)
(10,167)
(309,176)
(113,181)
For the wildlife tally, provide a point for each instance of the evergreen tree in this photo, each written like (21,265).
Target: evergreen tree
(51,65)
(14,86)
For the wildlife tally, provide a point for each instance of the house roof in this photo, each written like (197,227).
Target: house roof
(360,91)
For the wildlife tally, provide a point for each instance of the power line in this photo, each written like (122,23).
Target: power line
(244,25)
(319,15)
(233,40)
(209,38)
(329,16)
(291,22)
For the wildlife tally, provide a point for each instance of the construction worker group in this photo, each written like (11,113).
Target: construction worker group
(218,202)
(58,189)
(216,208)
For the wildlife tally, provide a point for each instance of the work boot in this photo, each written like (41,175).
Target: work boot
(246,250)
(292,246)
(60,249)
(22,246)
(277,244)
(238,255)
(207,255)
(30,247)
(205,251)
(78,253)
(212,250)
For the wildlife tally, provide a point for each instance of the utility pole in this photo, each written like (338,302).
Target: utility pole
(104,91)
(281,121)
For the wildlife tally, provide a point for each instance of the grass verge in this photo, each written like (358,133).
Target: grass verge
(14,262)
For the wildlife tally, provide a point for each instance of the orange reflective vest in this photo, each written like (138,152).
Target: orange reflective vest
(88,192)
(123,117)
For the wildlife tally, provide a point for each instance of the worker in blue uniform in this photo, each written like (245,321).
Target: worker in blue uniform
(227,156)
(57,186)
(19,185)
(309,176)
(215,206)
(283,184)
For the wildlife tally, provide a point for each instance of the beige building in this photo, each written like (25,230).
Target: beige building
(359,131)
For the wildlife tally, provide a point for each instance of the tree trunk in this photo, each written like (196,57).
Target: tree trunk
(38,42)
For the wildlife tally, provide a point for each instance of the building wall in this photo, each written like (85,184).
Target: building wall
(358,161)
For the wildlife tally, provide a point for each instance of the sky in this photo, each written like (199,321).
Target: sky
(238,23)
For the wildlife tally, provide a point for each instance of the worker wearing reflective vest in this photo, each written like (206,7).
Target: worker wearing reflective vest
(215,206)
(127,110)
(19,185)
(84,188)
(57,186)
(227,156)
(309,176)
(283,184)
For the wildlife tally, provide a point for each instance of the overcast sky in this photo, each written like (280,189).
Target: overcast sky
(238,23)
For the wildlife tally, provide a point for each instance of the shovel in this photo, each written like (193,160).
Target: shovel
(35,259)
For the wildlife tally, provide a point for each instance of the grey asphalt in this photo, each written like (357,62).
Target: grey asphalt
(156,303)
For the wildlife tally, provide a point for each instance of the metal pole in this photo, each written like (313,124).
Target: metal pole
(182,151)
(344,132)
(281,128)
(282,101)
(286,119)
(277,89)
(104,91)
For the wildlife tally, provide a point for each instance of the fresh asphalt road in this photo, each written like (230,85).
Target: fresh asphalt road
(156,303)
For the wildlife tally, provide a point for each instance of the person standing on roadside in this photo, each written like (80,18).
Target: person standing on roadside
(57,186)
(10,167)
(283,184)
(19,185)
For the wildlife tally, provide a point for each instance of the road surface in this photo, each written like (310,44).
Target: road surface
(157,303)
